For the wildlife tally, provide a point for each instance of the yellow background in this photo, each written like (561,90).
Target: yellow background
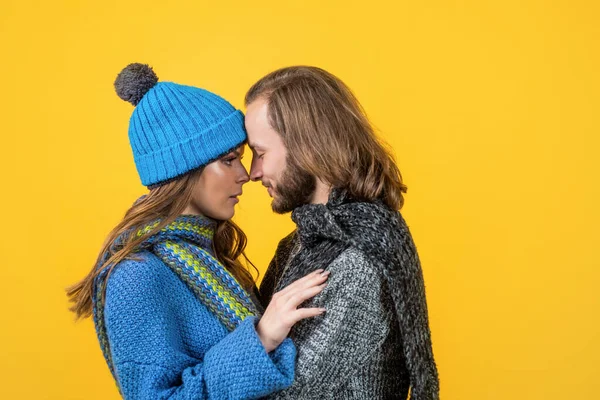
(491,108)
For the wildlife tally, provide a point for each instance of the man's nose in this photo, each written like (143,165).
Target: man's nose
(256,170)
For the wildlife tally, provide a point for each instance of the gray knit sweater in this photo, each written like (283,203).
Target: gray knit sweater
(373,342)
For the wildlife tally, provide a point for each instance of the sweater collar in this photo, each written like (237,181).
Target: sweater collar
(316,221)
(197,229)
(347,220)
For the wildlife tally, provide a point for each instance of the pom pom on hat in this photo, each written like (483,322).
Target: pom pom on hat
(134,81)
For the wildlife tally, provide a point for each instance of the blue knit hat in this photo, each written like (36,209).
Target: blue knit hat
(175,129)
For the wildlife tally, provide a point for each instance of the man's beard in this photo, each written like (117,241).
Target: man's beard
(295,189)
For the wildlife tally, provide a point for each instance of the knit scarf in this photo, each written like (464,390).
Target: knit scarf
(185,246)
(326,230)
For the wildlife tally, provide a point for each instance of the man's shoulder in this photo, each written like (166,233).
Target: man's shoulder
(285,248)
(353,261)
(287,241)
(275,269)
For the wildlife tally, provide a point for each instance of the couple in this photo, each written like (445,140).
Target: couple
(341,312)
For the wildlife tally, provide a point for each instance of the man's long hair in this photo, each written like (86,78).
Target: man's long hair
(327,133)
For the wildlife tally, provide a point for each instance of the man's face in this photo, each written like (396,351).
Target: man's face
(289,186)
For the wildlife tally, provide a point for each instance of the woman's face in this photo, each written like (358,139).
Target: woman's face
(216,191)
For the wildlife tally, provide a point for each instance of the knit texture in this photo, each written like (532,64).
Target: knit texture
(374,340)
(176,324)
(175,128)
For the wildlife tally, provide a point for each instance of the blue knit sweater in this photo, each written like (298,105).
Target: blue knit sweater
(166,344)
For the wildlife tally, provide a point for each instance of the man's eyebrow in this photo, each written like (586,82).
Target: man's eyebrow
(255,146)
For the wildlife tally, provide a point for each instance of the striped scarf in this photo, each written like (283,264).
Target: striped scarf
(185,246)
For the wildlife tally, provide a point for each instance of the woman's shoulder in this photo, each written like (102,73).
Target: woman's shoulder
(141,274)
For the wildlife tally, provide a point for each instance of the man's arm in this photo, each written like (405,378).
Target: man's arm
(333,346)
(411,303)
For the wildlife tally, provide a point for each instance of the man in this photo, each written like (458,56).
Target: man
(317,155)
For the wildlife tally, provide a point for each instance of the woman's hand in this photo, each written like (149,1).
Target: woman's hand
(283,312)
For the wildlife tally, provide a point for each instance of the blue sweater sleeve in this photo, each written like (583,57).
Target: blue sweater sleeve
(144,305)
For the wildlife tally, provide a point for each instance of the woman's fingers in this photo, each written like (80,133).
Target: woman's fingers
(283,312)
(294,291)
(297,298)
(303,313)
(307,281)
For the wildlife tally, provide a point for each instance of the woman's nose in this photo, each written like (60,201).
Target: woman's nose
(244,177)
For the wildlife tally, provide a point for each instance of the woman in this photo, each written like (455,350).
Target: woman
(174,308)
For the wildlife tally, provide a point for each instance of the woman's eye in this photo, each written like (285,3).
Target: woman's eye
(228,161)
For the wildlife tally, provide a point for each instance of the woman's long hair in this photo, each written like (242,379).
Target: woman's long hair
(167,202)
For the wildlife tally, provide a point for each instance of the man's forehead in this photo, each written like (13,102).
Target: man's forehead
(254,145)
